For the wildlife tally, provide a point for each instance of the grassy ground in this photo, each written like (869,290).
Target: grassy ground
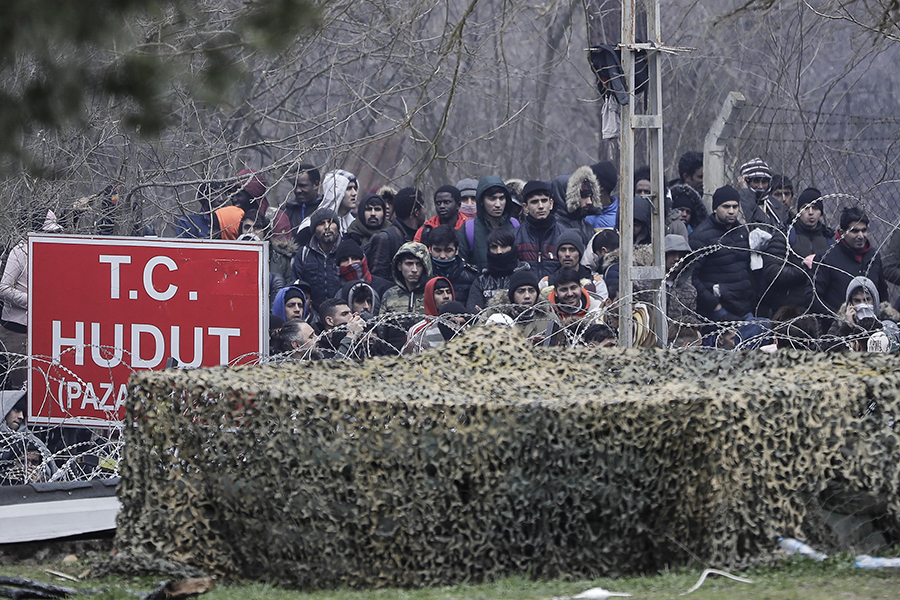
(789,579)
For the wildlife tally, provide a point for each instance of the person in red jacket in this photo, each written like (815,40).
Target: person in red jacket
(447,201)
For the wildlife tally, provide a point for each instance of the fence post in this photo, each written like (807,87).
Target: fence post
(722,128)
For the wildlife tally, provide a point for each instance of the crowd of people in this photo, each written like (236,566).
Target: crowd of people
(762,269)
(355,274)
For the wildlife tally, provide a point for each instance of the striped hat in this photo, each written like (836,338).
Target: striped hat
(756,168)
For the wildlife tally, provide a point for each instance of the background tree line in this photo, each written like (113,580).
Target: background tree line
(157,97)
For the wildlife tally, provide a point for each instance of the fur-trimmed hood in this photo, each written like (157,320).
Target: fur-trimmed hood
(285,246)
(573,188)
(643,257)
(501,303)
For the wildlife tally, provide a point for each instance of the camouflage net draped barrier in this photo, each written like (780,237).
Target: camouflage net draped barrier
(490,457)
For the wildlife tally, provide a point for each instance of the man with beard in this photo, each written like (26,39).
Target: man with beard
(370,219)
(447,201)
(409,215)
(315,262)
(722,276)
(756,203)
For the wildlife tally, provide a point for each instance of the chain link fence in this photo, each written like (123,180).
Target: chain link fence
(854,156)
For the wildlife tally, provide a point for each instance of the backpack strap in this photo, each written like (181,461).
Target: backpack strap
(470,233)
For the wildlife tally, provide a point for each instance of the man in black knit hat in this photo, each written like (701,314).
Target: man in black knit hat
(722,276)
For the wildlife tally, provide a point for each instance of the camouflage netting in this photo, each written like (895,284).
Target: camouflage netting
(489,457)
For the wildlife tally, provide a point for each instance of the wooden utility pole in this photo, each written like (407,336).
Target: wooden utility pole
(651,120)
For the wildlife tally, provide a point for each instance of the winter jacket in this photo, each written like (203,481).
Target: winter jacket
(727,267)
(361,234)
(536,244)
(402,301)
(319,269)
(461,274)
(786,281)
(837,266)
(281,253)
(14,287)
(766,210)
(487,285)
(435,221)
(479,228)
(606,218)
(383,247)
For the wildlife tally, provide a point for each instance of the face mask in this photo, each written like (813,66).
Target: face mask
(865,311)
(469,210)
(442,265)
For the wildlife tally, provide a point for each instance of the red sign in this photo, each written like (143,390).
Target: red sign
(101,308)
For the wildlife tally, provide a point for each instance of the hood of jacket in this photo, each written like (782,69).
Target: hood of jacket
(863,282)
(642,257)
(430,307)
(278,303)
(283,245)
(361,209)
(334,185)
(8,399)
(350,289)
(229,222)
(643,213)
(419,251)
(573,188)
(558,187)
(486,183)
(686,194)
